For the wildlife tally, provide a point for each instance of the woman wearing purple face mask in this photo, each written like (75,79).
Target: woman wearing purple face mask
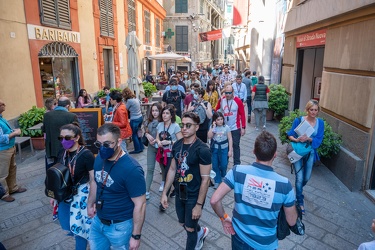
(80,162)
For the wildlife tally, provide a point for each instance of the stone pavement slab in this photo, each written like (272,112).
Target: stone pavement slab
(335,217)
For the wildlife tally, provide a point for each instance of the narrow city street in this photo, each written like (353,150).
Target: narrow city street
(335,217)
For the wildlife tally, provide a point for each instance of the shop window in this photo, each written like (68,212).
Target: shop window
(131,15)
(58,63)
(182,38)
(55,13)
(147,27)
(181,6)
(157,32)
(106,18)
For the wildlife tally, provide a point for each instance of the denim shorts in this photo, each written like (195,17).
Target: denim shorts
(115,235)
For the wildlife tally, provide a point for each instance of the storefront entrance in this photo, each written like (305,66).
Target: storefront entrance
(309,76)
(58,63)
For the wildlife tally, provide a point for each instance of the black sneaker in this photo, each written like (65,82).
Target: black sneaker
(173,194)
(161,208)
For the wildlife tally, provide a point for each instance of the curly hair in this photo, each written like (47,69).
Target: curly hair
(127,94)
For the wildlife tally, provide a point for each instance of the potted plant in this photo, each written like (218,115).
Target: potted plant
(331,140)
(278,100)
(29,119)
(149,89)
(101,94)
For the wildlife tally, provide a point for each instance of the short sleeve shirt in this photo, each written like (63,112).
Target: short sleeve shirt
(221,133)
(187,163)
(168,133)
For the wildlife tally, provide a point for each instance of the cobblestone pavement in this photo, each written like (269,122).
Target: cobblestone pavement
(335,217)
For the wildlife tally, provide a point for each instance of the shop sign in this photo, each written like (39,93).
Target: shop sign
(315,38)
(211,35)
(45,33)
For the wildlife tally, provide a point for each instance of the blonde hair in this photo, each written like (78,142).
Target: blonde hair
(311,103)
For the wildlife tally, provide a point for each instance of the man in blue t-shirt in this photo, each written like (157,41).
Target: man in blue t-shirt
(117,196)
(259,195)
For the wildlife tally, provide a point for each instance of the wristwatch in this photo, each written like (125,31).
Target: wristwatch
(136,237)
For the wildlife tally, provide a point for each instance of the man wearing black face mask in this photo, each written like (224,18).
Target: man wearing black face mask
(117,197)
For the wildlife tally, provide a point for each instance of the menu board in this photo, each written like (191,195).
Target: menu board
(90,119)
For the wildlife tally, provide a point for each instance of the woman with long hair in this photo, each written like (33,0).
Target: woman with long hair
(303,167)
(168,132)
(211,95)
(133,105)
(83,99)
(154,117)
(81,165)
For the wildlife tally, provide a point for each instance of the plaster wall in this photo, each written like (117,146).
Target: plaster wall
(88,46)
(16,86)
(314,11)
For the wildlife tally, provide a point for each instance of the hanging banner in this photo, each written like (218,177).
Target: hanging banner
(211,35)
(311,39)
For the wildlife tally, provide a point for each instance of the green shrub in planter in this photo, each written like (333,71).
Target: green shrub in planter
(331,140)
(149,88)
(101,93)
(31,118)
(278,99)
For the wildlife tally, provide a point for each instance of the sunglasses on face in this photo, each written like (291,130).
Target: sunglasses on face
(67,137)
(228,93)
(106,144)
(187,125)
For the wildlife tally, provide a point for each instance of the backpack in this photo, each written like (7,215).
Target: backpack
(254,80)
(168,94)
(200,111)
(59,183)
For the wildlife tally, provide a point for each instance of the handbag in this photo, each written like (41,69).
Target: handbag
(144,140)
(283,228)
(297,150)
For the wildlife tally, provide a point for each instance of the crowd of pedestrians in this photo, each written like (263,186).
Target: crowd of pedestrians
(191,133)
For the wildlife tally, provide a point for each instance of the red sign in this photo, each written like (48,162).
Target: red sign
(211,35)
(311,39)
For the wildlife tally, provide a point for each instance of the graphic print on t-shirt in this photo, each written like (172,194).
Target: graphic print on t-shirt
(99,179)
(258,191)
(183,167)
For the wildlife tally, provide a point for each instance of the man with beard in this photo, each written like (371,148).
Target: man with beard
(191,166)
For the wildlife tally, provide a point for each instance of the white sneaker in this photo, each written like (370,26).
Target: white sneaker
(256,128)
(264,127)
(161,186)
(147,195)
(202,238)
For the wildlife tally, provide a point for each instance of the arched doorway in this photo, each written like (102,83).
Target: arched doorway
(58,64)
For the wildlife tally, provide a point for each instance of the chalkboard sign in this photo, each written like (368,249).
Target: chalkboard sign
(90,119)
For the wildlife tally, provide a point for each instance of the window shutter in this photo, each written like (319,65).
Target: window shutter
(147,26)
(55,13)
(182,37)
(157,32)
(181,6)
(64,13)
(131,15)
(106,18)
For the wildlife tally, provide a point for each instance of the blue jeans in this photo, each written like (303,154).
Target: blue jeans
(114,236)
(303,169)
(135,124)
(123,146)
(184,210)
(220,163)
(236,137)
(64,218)
(248,102)
(238,244)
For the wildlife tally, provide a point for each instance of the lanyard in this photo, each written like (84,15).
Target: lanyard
(165,131)
(238,90)
(181,157)
(72,168)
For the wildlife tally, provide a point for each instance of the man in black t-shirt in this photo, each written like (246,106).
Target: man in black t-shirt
(190,172)
(174,97)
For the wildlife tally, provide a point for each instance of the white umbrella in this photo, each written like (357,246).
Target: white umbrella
(170,56)
(132,43)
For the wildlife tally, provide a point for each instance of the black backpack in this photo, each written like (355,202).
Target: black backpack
(59,183)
